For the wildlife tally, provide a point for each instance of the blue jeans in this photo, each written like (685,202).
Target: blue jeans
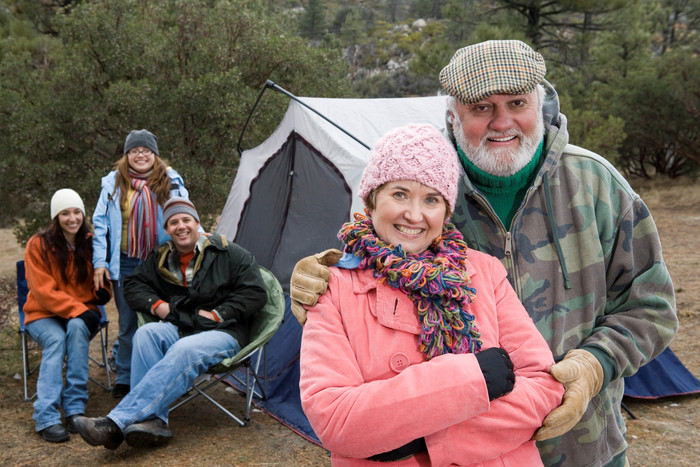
(127,320)
(164,367)
(59,338)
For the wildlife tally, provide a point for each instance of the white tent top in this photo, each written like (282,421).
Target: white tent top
(365,119)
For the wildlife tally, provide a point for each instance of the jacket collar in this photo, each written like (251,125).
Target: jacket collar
(167,249)
(392,308)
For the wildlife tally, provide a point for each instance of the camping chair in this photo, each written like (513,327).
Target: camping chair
(27,369)
(262,327)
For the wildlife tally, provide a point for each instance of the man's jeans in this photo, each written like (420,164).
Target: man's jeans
(59,338)
(128,322)
(164,367)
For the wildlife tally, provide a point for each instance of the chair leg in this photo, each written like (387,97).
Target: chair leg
(264,350)
(196,385)
(262,355)
(200,389)
(104,338)
(26,371)
(250,390)
(223,409)
(252,383)
(103,363)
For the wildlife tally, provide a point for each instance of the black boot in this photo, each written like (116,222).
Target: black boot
(70,423)
(99,431)
(149,433)
(55,433)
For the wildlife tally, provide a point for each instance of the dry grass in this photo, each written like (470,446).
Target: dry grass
(666,430)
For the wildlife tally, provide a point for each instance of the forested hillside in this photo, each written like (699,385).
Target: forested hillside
(76,76)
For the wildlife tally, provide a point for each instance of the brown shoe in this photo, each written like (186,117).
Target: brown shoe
(99,431)
(147,434)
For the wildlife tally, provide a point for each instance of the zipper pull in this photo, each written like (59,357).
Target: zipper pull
(507,250)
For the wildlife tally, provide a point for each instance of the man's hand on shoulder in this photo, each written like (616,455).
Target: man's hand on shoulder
(310,280)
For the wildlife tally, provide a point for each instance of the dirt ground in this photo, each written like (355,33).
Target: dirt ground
(664,433)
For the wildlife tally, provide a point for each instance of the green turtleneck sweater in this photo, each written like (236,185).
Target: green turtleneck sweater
(503,193)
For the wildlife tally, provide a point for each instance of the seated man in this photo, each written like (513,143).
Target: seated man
(204,290)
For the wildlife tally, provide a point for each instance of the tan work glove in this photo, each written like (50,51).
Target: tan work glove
(582,376)
(310,280)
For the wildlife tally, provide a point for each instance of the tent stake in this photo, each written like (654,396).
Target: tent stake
(627,409)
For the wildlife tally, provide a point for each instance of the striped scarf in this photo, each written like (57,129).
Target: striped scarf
(142,229)
(435,280)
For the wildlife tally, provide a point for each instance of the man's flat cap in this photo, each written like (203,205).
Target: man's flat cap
(492,67)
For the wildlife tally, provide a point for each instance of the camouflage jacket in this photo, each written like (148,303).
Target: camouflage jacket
(584,256)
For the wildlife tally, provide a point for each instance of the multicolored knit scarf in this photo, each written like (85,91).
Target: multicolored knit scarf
(142,229)
(435,280)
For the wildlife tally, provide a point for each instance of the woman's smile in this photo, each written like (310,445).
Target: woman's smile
(409,214)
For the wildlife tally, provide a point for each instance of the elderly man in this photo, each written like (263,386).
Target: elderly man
(204,290)
(581,248)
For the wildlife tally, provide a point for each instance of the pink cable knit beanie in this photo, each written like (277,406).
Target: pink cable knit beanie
(413,152)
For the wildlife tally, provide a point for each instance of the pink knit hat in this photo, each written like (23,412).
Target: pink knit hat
(413,152)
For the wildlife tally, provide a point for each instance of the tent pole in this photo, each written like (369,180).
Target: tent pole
(273,85)
(250,115)
(292,96)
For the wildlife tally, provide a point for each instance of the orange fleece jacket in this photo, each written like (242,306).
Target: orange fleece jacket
(49,295)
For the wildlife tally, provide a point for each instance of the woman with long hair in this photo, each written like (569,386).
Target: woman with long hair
(128,223)
(61,313)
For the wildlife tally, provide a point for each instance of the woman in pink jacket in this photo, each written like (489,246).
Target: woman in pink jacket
(420,352)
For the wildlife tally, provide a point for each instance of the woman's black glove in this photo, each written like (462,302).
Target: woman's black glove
(92,320)
(103,296)
(498,371)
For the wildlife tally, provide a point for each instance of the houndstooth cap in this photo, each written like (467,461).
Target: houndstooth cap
(492,67)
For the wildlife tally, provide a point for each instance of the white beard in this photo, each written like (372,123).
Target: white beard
(500,162)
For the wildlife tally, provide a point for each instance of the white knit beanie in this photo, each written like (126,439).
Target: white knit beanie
(65,199)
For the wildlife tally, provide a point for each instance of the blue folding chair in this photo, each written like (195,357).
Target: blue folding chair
(27,369)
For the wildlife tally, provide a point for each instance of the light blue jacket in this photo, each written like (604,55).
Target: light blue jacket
(107,220)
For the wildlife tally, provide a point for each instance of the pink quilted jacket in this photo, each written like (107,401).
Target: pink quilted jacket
(367,389)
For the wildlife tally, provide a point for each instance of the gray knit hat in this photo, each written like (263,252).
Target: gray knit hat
(143,138)
(178,206)
(492,67)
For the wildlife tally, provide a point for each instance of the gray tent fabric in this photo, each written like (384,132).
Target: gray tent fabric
(288,200)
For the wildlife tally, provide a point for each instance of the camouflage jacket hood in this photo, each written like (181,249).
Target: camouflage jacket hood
(584,256)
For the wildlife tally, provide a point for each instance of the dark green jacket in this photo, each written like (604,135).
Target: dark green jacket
(226,278)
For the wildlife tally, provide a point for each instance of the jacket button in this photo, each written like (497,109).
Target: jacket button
(399,362)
